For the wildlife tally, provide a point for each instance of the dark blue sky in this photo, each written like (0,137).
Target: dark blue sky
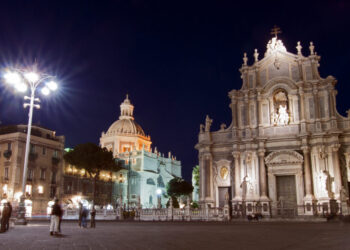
(177,60)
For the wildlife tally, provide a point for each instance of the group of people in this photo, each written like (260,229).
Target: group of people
(83,214)
(5,217)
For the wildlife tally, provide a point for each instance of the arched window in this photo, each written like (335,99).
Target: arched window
(150,181)
(160,181)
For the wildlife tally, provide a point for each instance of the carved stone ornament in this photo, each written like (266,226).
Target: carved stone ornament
(283,157)
(224,173)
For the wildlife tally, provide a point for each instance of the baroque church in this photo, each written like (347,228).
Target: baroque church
(287,150)
(146,172)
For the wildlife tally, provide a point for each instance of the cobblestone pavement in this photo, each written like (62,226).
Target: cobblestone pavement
(180,235)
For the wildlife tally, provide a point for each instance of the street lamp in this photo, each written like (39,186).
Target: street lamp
(21,80)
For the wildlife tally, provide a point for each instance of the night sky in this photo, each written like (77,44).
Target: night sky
(176,60)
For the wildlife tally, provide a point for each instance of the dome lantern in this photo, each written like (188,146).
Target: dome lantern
(126,109)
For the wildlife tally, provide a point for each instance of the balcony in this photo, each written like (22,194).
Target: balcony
(33,156)
(7,154)
(55,160)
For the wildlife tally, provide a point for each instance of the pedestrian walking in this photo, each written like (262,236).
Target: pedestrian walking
(93,214)
(8,216)
(5,213)
(80,212)
(55,217)
(84,214)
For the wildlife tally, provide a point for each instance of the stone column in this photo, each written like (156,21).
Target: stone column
(262,173)
(337,172)
(307,171)
(237,176)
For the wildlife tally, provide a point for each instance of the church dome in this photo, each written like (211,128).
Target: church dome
(126,126)
(126,123)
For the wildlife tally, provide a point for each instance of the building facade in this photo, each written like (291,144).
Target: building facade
(287,147)
(146,172)
(44,167)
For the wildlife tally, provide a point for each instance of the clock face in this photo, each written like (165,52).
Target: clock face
(224,173)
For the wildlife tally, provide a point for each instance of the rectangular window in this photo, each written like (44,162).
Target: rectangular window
(32,148)
(40,189)
(311,108)
(30,174)
(6,173)
(52,192)
(55,153)
(9,146)
(44,151)
(53,177)
(28,189)
(42,174)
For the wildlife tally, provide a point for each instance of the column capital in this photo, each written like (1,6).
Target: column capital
(306,149)
(236,154)
(335,147)
(261,152)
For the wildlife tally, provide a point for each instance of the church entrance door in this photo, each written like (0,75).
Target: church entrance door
(286,196)
(222,195)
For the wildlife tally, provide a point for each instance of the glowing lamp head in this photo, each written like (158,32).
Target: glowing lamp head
(32,76)
(45,91)
(52,85)
(159,191)
(21,87)
(12,78)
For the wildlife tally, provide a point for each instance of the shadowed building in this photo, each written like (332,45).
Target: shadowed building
(44,168)
(287,148)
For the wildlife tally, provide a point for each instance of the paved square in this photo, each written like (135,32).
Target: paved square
(180,235)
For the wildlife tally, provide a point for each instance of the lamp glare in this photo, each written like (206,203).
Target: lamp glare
(32,76)
(21,87)
(52,85)
(45,91)
(12,78)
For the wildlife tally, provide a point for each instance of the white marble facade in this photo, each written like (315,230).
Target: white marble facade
(286,142)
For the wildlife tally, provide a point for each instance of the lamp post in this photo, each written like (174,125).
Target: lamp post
(21,80)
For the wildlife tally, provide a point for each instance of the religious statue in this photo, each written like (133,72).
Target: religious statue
(343,194)
(208,123)
(283,117)
(222,126)
(244,187)
(324,183)
(201,128)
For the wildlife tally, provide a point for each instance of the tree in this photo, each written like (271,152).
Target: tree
(178,186)
(195,175)
(93,159)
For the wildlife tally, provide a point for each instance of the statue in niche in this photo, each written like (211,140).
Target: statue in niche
(343,194)
(280,115)
(224,173)
(325,186)
(247,187)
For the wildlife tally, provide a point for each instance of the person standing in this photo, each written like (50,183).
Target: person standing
(55,218)
(84,214)
(5,212)
(93,214)
(8,216)
(80,213)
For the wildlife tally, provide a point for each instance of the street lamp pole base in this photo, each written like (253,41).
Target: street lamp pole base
(21,219)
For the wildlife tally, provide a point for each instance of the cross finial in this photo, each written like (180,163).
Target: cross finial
(275,30)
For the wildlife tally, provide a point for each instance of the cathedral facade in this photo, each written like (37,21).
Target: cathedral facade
(287,149)
(146,171)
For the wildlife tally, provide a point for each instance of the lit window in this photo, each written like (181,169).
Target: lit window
(40,189)
(29,189)
(4,188)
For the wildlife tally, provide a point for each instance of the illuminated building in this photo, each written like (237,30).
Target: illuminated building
(146,171)
(287,148)
(44,168)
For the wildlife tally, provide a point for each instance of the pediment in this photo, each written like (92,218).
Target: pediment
(284,157)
